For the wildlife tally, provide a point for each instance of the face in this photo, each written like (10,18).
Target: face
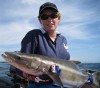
(49,19)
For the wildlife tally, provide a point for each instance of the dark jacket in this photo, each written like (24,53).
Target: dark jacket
(38,42)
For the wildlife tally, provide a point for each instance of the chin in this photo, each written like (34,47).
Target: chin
(51,28)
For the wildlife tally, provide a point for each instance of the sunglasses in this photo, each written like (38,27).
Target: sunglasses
(52,16)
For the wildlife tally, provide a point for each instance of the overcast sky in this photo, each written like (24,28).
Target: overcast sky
(80,25)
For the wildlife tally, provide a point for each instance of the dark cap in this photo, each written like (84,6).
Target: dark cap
(47,5)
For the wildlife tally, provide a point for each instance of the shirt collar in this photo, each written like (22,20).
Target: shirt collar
(43,31)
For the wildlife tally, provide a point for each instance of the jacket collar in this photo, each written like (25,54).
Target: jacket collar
(43,31)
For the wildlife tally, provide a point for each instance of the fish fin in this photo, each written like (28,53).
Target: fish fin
(55,78)
(76,62)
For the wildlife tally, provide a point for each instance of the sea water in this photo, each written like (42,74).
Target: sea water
(91,66)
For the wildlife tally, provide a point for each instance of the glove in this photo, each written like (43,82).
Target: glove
(55,69)
(90,79)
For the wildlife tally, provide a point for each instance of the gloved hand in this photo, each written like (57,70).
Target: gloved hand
(90,79)
(55,69)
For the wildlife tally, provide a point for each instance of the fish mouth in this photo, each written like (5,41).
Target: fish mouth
(8,57)
(4,56)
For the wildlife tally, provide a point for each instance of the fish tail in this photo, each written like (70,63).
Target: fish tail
(97,78)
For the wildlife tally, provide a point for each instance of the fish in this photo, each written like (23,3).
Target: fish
(34,64)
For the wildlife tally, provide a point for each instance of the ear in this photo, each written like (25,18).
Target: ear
(59,17)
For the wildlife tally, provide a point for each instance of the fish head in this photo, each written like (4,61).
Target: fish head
(24,62)
(10,57)
(24,59)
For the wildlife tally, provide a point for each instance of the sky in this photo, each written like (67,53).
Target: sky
(80,24)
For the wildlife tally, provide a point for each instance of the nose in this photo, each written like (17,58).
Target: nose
(49,18)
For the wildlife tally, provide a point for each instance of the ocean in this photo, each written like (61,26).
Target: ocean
(91,66)
(4,68)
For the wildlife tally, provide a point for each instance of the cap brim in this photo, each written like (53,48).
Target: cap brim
(48,7)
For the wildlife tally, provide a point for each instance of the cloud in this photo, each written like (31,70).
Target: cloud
(80,21)
(74,23)
(30,2)
(77,19)
(20,19)
(13,33)
(40,2)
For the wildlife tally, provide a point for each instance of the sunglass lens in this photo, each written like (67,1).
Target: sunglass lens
(44,17)
(53,16)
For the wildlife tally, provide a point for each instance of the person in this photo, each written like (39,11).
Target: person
(45,41)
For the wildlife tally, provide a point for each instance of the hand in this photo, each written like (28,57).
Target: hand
(32,77)
(55,69)
(28,76)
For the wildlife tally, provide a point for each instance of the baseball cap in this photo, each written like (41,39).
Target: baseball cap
(47,5)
